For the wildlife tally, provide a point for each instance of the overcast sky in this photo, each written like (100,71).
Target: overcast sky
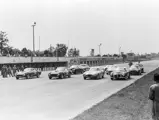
(129,24)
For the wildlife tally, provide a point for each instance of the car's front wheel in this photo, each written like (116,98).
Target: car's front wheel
(61,76)
(50,77)
(69,75)
(38,75)
(27,76)
(17,78)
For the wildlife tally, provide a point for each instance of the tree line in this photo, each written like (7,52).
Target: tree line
(60,50)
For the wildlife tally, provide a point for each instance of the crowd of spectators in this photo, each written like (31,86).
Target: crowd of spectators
(9,71)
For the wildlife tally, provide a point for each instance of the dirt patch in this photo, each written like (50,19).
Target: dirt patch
(131,103)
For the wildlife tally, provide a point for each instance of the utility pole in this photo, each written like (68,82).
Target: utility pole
(39,43)
(99,48)
(33,42)
(119,51)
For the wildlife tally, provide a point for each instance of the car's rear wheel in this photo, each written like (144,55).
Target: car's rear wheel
(126,77)
(17,78)
(61,76)
(27,76)
(38,75)
(139,72)
(84,78)
(69,75)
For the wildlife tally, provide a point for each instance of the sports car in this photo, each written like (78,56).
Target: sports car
(94,73)
(141,67)
(76,69)
(135,70)
(85,67)
(120,73)
(106,67)
(60,72)
(28,73)
(110,69)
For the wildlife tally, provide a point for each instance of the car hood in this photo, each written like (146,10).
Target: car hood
(21,73)
(133,68)
(116,73)
(55,72)
(91,72)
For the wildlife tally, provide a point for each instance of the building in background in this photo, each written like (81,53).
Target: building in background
(92,52)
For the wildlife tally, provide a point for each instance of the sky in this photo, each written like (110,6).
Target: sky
(132,25)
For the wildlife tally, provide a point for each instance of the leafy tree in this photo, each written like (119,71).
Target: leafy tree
(60,50)
(98,55)
(115,55)
(73,52)
(25,52)
(105,55)
(3,41)
(16,52)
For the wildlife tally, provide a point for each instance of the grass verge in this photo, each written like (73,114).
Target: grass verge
(130,103)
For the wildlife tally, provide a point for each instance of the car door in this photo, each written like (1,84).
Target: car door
(34,72)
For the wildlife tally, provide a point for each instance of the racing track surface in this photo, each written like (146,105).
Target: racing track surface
(44,99)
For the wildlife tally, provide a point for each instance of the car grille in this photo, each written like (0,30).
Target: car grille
(54,75)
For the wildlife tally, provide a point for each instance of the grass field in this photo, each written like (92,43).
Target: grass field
(130,103)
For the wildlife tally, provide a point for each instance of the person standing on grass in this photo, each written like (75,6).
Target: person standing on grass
(154,97)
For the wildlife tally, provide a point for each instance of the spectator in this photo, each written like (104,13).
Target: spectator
(14,70)
(5,71)
(2,71)
(154,97)
(10,71)
(22,68)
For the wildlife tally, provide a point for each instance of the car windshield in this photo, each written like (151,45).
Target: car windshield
(74,66)
(27,69)
(60,69)
(120,70)
(94,69)
(83,65)
(112,67)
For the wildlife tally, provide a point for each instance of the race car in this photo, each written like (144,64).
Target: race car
(106,67)
(94,73)
(135,70)
(120,73)
(110,69)
(60,72)
(28,73)
(141,67)
(85,67)
(76,69)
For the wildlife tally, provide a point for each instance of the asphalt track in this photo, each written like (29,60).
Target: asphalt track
(44,99)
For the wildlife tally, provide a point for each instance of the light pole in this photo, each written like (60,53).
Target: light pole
(99,48)
(119,51)
(33,42)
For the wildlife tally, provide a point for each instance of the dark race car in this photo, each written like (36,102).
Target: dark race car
(85,67)
(28,73)
(60,72)
(76,69)
(141,67)
(94,73)
(120,73)
(135,70)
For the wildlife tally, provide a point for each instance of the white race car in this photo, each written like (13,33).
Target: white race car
(94,73)
(110,69)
